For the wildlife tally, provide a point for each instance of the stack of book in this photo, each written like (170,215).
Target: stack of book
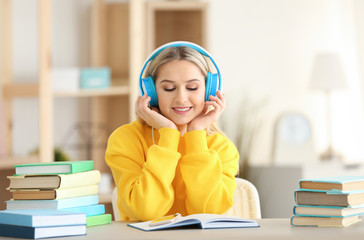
(70,186)
(329,202)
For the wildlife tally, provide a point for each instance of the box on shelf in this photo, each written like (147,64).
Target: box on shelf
(92,78)
(65,79)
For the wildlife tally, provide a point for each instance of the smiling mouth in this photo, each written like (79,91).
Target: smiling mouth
(182,109)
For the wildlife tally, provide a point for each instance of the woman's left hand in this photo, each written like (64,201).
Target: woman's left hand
(206,117)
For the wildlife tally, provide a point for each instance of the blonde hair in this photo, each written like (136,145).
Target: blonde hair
(181,53)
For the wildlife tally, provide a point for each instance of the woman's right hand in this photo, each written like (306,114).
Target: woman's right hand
(151,116)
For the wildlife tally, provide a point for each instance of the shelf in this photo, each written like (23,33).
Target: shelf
(119,87)
(112,91)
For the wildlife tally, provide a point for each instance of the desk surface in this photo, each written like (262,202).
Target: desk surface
(271,229)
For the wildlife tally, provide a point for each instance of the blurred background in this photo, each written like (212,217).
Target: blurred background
(292,77)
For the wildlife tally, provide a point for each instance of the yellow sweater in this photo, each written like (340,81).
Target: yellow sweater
(194,173)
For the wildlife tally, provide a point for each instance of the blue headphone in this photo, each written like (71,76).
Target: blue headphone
(213,81)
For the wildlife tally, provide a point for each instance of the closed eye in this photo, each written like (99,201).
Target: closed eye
(169,89)
(192,89)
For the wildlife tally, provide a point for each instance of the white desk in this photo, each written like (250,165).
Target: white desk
(271,229)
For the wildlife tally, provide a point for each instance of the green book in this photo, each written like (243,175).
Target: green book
(98,220)
(66,167)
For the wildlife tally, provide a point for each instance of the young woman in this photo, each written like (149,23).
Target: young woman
(173,159)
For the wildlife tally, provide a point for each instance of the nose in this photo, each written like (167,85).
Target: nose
(181,96)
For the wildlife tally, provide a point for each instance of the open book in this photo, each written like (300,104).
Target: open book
(203,221)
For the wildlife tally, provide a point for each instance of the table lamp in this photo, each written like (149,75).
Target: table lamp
(328,75)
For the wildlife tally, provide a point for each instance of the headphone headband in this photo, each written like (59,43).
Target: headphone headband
(178,44)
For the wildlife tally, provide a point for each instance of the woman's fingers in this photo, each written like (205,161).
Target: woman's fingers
(142,105)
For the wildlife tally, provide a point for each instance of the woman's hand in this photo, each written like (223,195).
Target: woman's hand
(151,116)
(206,118)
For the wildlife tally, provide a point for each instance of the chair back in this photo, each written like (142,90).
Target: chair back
(115,209)
(246,201)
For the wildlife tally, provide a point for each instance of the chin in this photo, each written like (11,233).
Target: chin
(180,122)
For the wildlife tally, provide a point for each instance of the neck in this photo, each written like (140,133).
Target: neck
(182,129)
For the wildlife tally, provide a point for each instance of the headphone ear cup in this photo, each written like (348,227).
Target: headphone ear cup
(149,88)
(211,85)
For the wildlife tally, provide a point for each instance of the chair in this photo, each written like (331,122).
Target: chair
(114,204)
(246,201)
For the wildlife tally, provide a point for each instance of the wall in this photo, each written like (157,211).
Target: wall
(265,50)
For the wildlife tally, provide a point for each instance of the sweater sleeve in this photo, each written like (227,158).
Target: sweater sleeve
(143,175)
(209,173)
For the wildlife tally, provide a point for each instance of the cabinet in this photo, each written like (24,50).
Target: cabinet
(122,35)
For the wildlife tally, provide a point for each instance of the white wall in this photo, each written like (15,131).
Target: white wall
(264,48)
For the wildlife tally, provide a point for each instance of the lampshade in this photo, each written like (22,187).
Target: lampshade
(328,72)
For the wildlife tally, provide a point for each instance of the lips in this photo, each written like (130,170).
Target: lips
(181,109)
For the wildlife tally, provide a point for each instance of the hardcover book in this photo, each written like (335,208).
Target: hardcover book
(203,221)
(64,167)
(342,183)
(49,194)
(52,204)
(343,199)
(323,221)
(41,218)
(98,220)
(7,230)
(327,211)
(55,181)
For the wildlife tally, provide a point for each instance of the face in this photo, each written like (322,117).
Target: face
(180,87)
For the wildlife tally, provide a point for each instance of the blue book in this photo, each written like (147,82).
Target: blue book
(340,183)
(41,218)
(52,204)
(90,210)
(8,230)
